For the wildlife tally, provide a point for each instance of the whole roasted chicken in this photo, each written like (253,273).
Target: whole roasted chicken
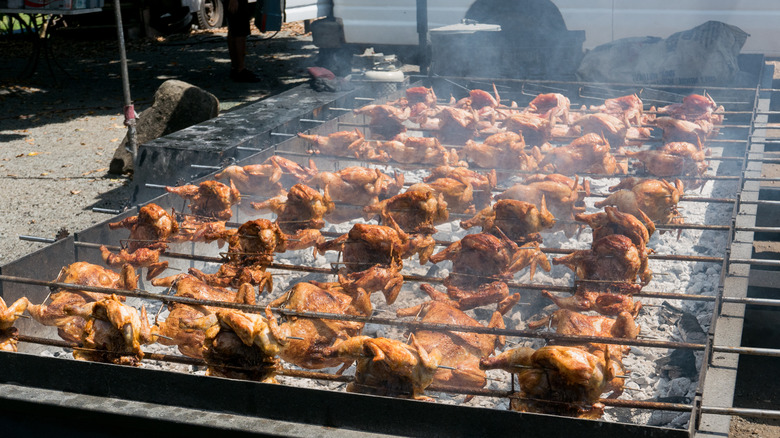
(655,198)
(210,199)
(337,143)
(458,195)
(535,129)
(518,220)
(556,380)
(190,341)
(386,121)
(612,129)
(372,256)
(626,108)
(680,159)
(417,210)
(193,229)
(604,298)
(460,351)
(481,184)
(455,125)
(613,258)
(146,257)
(114,331)
(70,327)
(387,366)
(416,150)
(613,221)
(240,345)
(8,316)
(152,225)
(270,178)
(299,214)
(358,186)
(564,196)
(481,263)
(589,153)
(503,150)
(311,335)
(550,106)
(695,107)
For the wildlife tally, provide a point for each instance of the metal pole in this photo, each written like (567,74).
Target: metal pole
(128,110)
(422,31)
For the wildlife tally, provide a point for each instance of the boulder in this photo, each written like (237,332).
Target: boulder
(177,105)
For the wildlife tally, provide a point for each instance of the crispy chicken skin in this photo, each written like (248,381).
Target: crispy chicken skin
(358,185)
(269,178)
(556,379)
(387,366)
(152,225)
(416,210)
(460,350)
(695,107)
(520,221)
(189,341)
(481,184)
(535,129)
(71,327)
(337,143)
(504,150)
(386,121)
(589,153)
(193,229)
(240,345)
(673,159)
(676,130)
(146,257)
(656,198)
(611,128)
(625,108)
(405,149)
(606,299)
(612,258)
(318,334)
(8,316)
(114,331)
(301,208)
(210,199)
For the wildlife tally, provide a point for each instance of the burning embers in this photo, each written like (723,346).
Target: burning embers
(564,377)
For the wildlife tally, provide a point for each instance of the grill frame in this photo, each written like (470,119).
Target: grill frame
(47,262)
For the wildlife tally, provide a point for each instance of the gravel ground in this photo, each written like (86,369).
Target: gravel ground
(58,133)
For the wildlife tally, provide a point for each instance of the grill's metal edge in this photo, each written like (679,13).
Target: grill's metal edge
(720,369)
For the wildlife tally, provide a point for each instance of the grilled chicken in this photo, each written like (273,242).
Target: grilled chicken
(373,256)
(551,106)
(301,208)
(478,99)
(269,178)
(567,322)
(337,143)
(556,380)
(386,121)
(189,341)
(196,230)
(147,257)
(459,350)
(416,210)
(210,199)
(613,258)
(481,184)
(318,334)
(71,327)
(589,153)
(234,275)
(561,193)
(480,260)
(152,225)
(625,108)
(416,150)
(387,366)
(656,198)
(456,125)
(458,195)
(241,345)
(255,242)
(505,150)
(613,221)
(114,331)
(693,108)
(358,186)
(673,159)
(536,130)
(603,298)
(8,316)
(612,129)
(518,220)
(676,130)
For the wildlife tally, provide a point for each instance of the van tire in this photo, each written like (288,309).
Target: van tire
(210,15)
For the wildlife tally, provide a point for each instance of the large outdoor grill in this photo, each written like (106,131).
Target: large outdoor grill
(705,274)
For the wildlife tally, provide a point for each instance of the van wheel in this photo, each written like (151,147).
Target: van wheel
(210,14)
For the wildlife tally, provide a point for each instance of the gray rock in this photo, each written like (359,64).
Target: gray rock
(177,105)
(679,387)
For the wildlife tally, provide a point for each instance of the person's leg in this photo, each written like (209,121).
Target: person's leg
(238,59)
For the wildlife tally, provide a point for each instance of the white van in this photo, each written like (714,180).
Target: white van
(394,22)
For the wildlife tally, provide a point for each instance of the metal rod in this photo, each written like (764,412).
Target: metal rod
(203,166)
(741,412)
(312,121)
(105,210)
(37,239)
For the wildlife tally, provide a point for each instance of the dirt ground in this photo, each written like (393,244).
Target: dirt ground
(58,132)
